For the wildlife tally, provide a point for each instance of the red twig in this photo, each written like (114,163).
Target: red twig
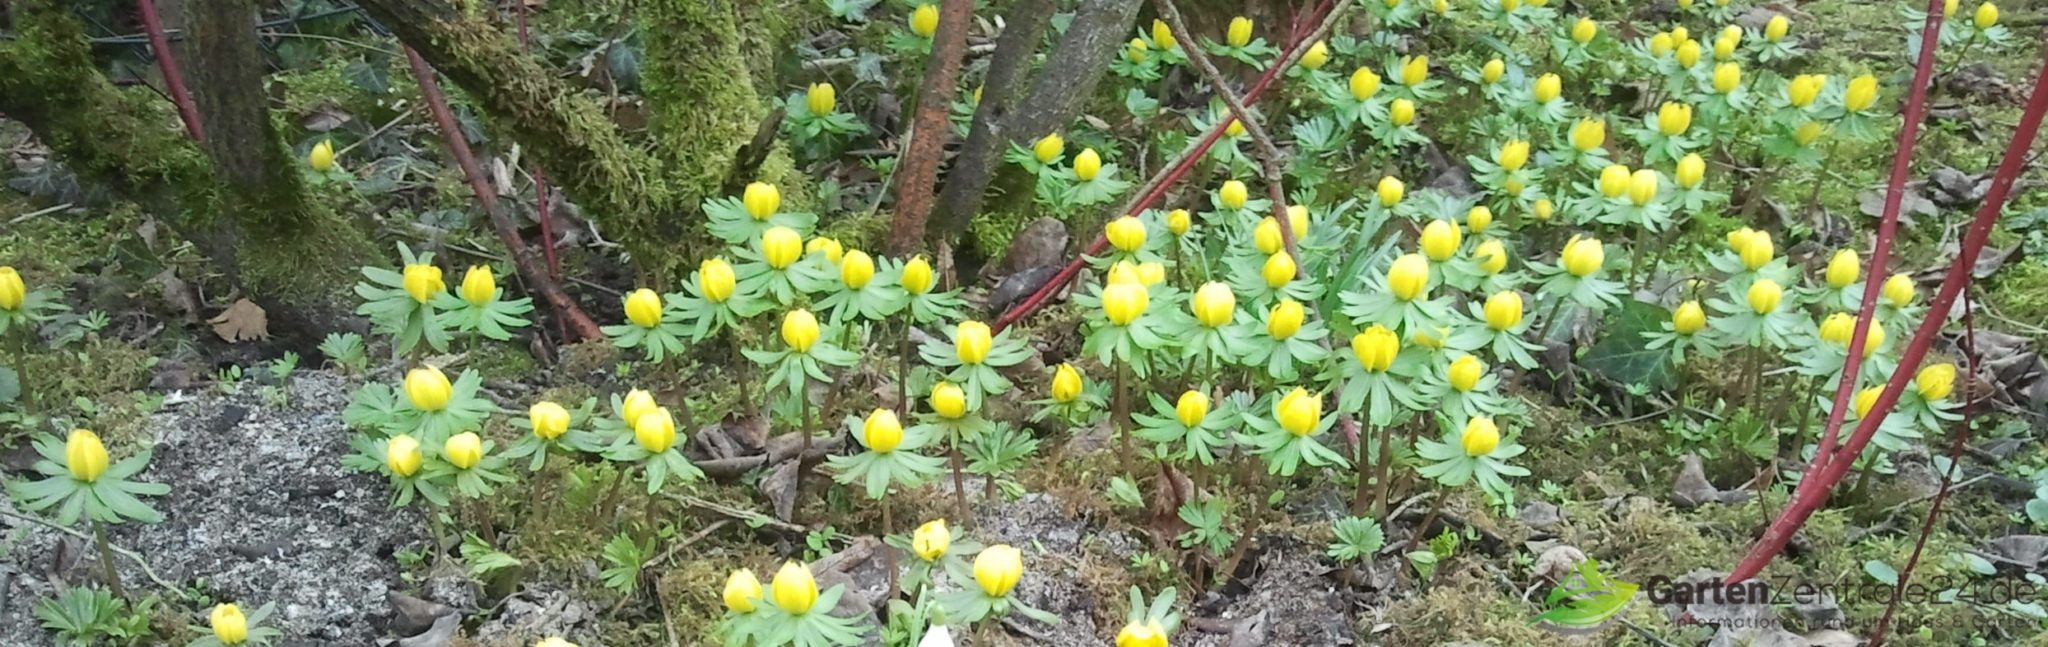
(580,325)
(1178,171)
(1808,499)
(540,180)
(174,83)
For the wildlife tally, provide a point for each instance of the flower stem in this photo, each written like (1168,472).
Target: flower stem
(903,372)
(803,426)
(1119,415)
(889,528)
(959,481)
(99,540)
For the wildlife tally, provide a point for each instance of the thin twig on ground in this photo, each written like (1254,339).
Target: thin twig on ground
(131,555)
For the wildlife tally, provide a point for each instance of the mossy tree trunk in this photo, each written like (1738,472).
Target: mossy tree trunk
(266,196)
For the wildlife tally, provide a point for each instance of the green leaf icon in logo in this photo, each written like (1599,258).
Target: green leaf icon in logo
(1588,603)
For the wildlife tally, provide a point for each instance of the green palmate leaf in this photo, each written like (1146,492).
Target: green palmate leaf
(1624,353)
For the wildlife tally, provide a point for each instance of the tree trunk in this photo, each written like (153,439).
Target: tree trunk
(930,128)
(960,198)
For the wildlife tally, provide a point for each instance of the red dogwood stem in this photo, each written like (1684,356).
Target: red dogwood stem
(1809,499)
(174,83)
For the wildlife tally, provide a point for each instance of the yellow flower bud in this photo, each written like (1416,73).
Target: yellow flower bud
(1873,340)
(800,330)
(1935,382)
(821,99)
(1123,302)
(636,403)
(1478,218)
(13,292)
(479,287)
(1643,186)
(1284,319)
(1844,268)
(1151,273)
(1124,272)
(322,156)
(1614,180)
(1491,72)
(1401,112)
(1480,437)
(1137,51)
(1509,6)
(1143,634)
(1548,87)
(1661,44)
(1178,221)
(1543,209)
(1674,118)
(1689,318)
(655,431)
(1899,290)
(1691,171)
(949,401)
(1214,305)
(1589,134)
(1316,56)
(1266,236)
(643,308)
(549,420)
(1861,95)
(1408,277)
(794,590)
(1066,384)
(1987,16)
(464,450)
(741,590)
(229,626)
(972,339)
(1739,239)
(1583,256)
(427,388)
(1584,30)
(917,276)
(1049,148)
(830,247)
(1758,252)
(856,269)
(1732,32)
(1440,240)
(881,432)
(1391,190)
(1680,35)
(762,200)
(924,21)
(715,279)
(1514,154)
(1513,187)
(1087,165)
(1948,8)
(1162,36)
(1492,256)
(1867,400)
(1297,220)
(998,567)
(1442,7)
(1191,408)
(1503,310)
(1376,348)
(931,540)
(1465,372)
(1724,47)
(422,282)
(1127,233)
(1364,83)
(1279,269)
(1808,133)
(84,456)
(1838,328)
(1240,32)
(402,455)
(1299,413)
(1803,89)
(1764,295)
(1414,70)
(1688,54)
(781,247)
(1727,77)
(1233,194)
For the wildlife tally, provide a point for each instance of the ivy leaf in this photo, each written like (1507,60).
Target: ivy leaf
(1623,354)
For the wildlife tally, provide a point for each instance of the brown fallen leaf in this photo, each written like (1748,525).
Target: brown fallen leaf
(243,321)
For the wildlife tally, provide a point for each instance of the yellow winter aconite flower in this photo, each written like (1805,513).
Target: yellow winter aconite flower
(1151,273)
(1727,77)
(1724,47)
(1066,384)
(741,590)
(972,340)
(1774,30)
(1838,328)
(1427,338)
(1048,148)
(13,292)
(1583,256)
(85,456)
(917,276)
(1240,32)
(1162,35)
(1643,186)
(321,158)
(1543,209)
(1278,270)
(998,568)
(1866,400)
(1661,44)
(1233,194)
(1689,318)
(1688,54)
(1297,220)
(1899,290)
(1732,32)
(1376,348)
(1861,95)
(1141,635)
(229,626)
(1492,71)
(1213,305)
(1509,6)
(761,200)
(549,420)
(1192,407)
(1364,82)
(1680,36)
(1478,218)
(1547,87)
(422,282)
(881,431)
(1480,437)
(1401,112)
(794,590)
(1465,372)
(1414,70)
(1936,381)
(1124,272)
(1300,412)
(1987,16)
(1584,30)
(1503,310)
(1316,56)
(1137,50)
(402,455)
(1442,7)
(427,388)
(1873,340)
(1408,277)
(830,247)
(637,403)
(716,280)
(949,401)
(1614,180)
(463,450)
(925,20)
(1440,240)
(1589,134)
(1764,295)
(1844,268)
(1803,89)
(1178,221)
(1285,319)
(781,247)
(479,287)
(931,540)
(1758,252)
(1673,118)
(1513,187)
(1124,302)
(1691,171)
(1514,154)
(821,99)
(1740,238)
(1949,7)
(856,269)
(1492,256)
(1127,233)
(655,431)
(1807,133)
(800,330)
(1390,191)
(1087,165)
(643,308)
